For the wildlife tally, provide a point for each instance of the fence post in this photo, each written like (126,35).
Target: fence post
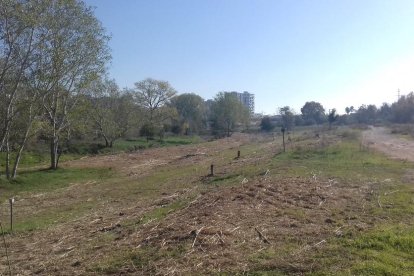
(11,201)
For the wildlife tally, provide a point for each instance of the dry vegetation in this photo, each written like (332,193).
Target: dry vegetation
(158,211)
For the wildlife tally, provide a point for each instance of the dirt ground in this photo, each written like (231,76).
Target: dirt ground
(381,139)
(219,229)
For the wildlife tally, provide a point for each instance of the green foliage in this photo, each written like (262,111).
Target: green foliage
(148,130)
(191,112)
(332,117)
(313,113)
(288,117)
(403,109)
(110,111)
(226,113)
(154,96)
(266,124)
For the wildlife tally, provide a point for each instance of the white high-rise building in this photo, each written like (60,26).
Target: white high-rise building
(246,98)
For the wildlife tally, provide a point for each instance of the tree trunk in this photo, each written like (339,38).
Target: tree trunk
(7,158)
(16,162)
(20,152)
(54,155)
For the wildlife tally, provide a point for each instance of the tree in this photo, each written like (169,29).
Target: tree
(313,113)
(20,45)
(154,96)
(72,54)
(110,110)
(332,117)
(385,112)
(403,109)
(287,117)
(266,124)
(367,114)
(191,111)
(226,112)
(349,110)
(147,130)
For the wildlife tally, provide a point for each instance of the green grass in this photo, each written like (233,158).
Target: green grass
(48,180)
(386,249)
(41,156)
(43,181)
(343,160)
(49,217)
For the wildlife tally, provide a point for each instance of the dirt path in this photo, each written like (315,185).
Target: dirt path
(382,140)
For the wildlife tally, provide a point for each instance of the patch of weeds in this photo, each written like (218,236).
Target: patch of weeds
(163,211)
(159,212)
(225,178)
(298,214)
(138,260)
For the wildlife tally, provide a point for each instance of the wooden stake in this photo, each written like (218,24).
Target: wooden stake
(11,201)
(212,170)
(283,135)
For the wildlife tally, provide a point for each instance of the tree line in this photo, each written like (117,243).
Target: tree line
(313,113)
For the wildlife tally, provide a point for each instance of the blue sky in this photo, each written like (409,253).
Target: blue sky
(286,52)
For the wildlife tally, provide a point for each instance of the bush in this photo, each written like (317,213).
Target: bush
(147,130)
(266,124)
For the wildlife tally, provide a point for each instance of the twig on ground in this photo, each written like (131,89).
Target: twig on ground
(391,192)
(231,231)
(319,243)
(196,235)
(261,236)
(155,227)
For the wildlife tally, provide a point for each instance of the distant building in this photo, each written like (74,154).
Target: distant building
(246,99)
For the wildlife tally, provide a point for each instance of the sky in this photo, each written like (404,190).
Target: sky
(287,52)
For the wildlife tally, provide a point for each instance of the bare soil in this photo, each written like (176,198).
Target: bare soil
(381,139)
